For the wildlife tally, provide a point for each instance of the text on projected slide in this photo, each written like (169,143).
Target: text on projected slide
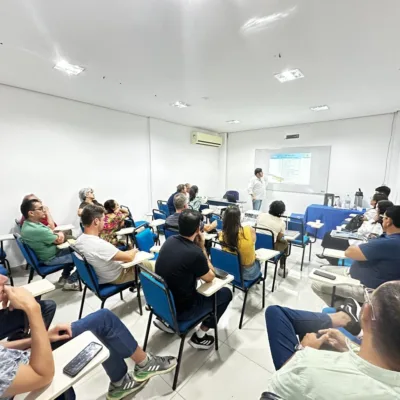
(290,168)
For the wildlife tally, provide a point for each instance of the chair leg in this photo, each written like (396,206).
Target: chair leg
(7,264)
(122,297)
(147,330)
(244,306)
(139,299)
(273,282)
(215,322)
(178,366)
(31,273)
(82,302)
(302,259)
(102,304)
(233,289)
(80,283)
(263,293)
(309,255)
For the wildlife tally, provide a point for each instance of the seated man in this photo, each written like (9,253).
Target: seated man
(24,371)
(181,261)
(47,220)
(43,241)
(180,204)
(305,371)
(13,323)
(179,189)
(105,258)
(375,262)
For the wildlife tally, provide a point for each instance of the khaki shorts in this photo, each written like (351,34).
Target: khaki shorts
(129,274)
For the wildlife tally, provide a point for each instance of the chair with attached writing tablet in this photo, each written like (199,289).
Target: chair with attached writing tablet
(159,214)
(161,303)
(297,224)
(143,240)
(102,291)
(229,261)
(215,217)
(170,231)
(163,206)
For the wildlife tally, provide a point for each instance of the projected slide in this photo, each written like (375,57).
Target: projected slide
(294,168)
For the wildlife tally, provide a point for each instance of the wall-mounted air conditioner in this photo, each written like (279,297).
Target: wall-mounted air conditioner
(206,139)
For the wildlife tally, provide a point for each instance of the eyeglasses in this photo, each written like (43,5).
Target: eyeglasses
(367,296)
(39,209)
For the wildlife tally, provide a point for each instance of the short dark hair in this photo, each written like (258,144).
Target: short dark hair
(383,205)
(377,197)
(383,189)
(189,222)
(90,212)
(180,187)
(109,205)
(394,214)
(28,205)
(257,171)
(277,208)
(386,327)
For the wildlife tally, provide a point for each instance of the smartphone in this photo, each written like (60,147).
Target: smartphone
(325,275)
(79,362)
(219,273)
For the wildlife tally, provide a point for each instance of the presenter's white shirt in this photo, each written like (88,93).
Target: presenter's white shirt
(99,254)
(257,188)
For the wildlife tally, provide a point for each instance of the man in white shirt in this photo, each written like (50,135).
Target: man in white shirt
(307,372)
(256,189)
(105,258)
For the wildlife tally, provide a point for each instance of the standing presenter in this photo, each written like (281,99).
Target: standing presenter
(257,188)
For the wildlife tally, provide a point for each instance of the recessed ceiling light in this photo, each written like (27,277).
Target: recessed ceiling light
(233,121)
(290,75)
(180,104)
(319,108)
(68,68)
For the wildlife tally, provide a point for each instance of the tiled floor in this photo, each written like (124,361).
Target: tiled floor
(241,367)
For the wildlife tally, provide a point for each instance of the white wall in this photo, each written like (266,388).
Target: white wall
(358,156)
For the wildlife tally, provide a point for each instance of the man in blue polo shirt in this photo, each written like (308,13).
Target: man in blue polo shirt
(375,262)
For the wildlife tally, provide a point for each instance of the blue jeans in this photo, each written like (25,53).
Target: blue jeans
(253,272)
(257,204)
(64,257)
(285,324)
(109,329)
(14,321)
(206,304)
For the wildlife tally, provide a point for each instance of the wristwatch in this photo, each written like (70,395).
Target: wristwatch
(299,347)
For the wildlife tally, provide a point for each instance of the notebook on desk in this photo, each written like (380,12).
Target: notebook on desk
(291,233)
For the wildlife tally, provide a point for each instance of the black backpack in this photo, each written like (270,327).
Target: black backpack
(355,223)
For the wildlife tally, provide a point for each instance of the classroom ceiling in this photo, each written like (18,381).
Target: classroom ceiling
(219,56)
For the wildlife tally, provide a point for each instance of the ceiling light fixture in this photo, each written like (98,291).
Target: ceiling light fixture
(180,104)
(68,68)
(289,75)
(233,121)
(319,108)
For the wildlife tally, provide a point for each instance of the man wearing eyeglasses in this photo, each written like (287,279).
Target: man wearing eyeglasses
(43,241)
(375,262)
(325,364)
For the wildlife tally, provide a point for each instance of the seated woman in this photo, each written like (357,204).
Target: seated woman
(369,229)
(272,221)
(114,220)
(194,198)
(371,213)
(86,196)
(244,239)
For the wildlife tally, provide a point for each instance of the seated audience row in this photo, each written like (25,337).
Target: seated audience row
(86,196)
(179,189)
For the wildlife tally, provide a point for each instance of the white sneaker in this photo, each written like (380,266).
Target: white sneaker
(71,286)
(162,326)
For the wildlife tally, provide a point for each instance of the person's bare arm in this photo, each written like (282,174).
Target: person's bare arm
(253,234)
(125,256)
(209,276)
(40,370)
(280,236)
(60,238)
(210,227)
(355,253)
(50,219)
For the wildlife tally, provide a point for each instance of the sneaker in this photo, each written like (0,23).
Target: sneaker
(71,286)
(129,385)
(162,326)
(322,257)
(353,310)
(62,281)
(156,366)
(205,343)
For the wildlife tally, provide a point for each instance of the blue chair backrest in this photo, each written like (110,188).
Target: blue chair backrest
(265,238)
(168,232)
(158,214)
(163,206)
(215,217)
(227,261)
(203,207)
(27,252)
(158,297)
(296,224)
(85,270)
(233,193)
(144,239)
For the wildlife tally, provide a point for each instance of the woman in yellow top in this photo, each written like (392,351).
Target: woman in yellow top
(244,239)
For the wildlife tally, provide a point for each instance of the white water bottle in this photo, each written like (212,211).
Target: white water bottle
(347,202)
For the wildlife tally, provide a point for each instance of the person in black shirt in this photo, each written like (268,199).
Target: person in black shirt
(171,206)
(181,261)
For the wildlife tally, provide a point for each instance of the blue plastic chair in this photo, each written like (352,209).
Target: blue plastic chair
(332,310)
(5,264)
(103,292)
(170,231)
(233,193)
(161,303)
(297,224)
(159,214)
(229,261)
(216,217)
(37,266)
(143,240)
(131,222)
(266,240)
(3,271)
(163,206)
